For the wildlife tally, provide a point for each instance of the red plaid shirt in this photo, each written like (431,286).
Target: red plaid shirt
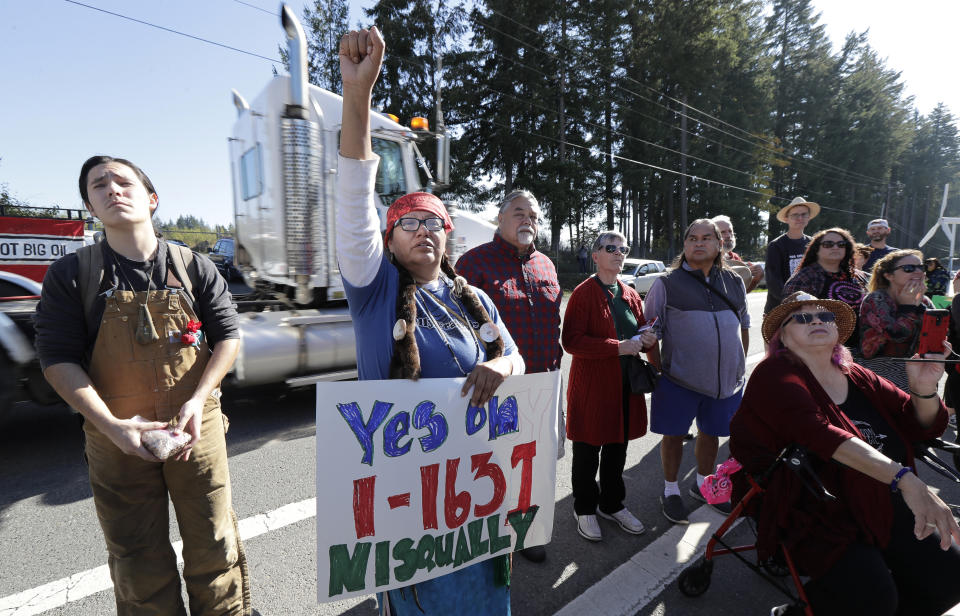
(527,293)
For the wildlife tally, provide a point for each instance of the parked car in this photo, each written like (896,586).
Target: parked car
(763,281)
(640,273)
(222,256)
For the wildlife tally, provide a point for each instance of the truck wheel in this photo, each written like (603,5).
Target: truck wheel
(8,383)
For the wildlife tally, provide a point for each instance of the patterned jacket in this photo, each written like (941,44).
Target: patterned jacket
(811,279)
(525,290)
(888,329)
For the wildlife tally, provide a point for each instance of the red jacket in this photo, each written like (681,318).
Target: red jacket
(594,390)
(783,404)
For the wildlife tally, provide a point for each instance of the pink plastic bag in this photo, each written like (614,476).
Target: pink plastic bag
(717,488)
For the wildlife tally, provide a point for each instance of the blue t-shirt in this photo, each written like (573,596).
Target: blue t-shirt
(374,312)
(468,591)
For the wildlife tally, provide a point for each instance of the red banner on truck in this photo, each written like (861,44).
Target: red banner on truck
(29,245)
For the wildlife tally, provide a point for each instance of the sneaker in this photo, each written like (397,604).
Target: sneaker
(722,508)
(673,509)
(780,610)
(626,520)
(588,527)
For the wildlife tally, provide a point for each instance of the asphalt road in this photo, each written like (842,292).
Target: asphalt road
(53,554)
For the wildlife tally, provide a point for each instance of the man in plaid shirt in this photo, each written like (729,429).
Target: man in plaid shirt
(522,282)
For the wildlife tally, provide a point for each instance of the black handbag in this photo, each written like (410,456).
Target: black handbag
(643,376)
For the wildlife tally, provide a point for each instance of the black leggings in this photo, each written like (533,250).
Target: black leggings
(908,578)
(610,459)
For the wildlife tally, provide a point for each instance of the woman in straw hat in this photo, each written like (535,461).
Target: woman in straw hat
(886,539)
(413,315)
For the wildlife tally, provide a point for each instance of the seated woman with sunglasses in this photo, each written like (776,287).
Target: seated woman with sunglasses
(827,270)
(883,545)
(892,313)
(600,331)
(414,317)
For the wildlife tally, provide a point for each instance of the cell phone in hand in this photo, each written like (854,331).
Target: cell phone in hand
(651,325)
(933,331)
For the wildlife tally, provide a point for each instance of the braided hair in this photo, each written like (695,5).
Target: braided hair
(405,363)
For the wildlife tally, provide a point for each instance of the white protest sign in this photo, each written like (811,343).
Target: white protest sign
(412,484)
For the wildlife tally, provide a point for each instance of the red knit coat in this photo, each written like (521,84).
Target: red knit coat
(594,390)
(784,404)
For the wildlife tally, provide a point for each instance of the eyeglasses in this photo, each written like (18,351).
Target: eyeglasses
(798,215)
(831,244)
(807,317)
(909,268)
(612,248)
(413,224)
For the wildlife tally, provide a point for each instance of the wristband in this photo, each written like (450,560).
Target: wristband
(895,484)
(927,397)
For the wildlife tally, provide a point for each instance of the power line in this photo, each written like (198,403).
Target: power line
(810,161)
(397,58)
(172,31)
(254,6)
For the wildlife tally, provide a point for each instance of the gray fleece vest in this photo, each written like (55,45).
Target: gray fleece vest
(700,345)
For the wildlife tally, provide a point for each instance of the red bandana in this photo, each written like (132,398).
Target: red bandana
(417,201)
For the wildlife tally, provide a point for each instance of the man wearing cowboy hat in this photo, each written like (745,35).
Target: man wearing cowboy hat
(785,253)
(877,230)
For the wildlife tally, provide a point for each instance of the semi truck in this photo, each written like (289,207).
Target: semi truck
(294,323)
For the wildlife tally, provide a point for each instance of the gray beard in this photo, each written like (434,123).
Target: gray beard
(525,237)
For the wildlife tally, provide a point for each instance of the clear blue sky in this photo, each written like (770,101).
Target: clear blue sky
(77,82)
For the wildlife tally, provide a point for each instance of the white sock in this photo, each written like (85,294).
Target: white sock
(700,480)
(671,488)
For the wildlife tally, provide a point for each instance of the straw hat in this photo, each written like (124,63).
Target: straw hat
(846,319)
(814,208)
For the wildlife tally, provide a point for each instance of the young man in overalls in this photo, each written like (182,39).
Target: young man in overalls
(111,328)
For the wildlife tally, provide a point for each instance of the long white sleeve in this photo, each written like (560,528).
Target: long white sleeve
(359,242)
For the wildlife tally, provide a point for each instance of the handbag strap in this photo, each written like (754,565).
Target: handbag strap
(718,293)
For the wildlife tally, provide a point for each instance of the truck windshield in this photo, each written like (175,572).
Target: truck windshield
(391,183)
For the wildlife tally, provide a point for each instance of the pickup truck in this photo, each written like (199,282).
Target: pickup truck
(640,274)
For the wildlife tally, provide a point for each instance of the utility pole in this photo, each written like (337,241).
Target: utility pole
(683,166)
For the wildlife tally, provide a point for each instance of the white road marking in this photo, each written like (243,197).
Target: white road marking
(635,583)
(80,585)
(565,574)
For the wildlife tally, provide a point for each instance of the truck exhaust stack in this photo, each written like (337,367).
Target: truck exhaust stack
(297,50)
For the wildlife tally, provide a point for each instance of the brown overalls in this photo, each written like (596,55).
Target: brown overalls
(153,380)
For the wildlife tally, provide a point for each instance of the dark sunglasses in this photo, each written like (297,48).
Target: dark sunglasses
(413,224)
(807,317)
(909,267)
(612,248)
(831,244)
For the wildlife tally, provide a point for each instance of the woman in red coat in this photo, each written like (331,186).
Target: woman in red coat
(884,546)
(601,331)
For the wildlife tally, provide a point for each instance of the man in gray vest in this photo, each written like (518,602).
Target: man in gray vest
(701,310)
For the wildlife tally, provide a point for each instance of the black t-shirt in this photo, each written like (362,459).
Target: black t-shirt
(784,254)
(876,431)
(65,335)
